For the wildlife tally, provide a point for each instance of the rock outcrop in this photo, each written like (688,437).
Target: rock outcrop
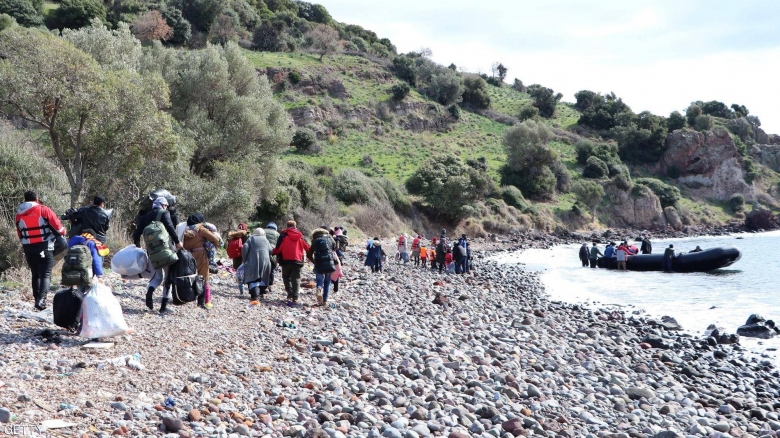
(640,209)
(673,218)
(709,164)
(767,154)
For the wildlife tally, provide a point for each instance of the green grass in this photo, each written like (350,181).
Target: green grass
(49,7)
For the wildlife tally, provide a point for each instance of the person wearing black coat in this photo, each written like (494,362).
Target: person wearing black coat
(647,247)
(668,257)
(459,254)
(584,255)
(160,274)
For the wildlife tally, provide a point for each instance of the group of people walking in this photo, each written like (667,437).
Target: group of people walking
(443,256)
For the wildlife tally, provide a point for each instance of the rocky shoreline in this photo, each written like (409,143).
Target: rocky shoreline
(492,357)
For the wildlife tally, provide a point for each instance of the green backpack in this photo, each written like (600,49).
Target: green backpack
(158,244)
(77,267)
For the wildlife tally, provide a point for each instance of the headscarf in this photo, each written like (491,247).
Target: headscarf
(159,202)
(195,218)
(258,232)
(271,225)
(337,231)
(243,226)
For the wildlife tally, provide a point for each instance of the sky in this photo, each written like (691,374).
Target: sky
(657,55)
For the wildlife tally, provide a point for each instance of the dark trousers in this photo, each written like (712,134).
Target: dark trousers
(441,265)
(40,260)
(335,285)
(460,265)
(291,276)
(592,263)
(584,263)
(376,267)
(667,264)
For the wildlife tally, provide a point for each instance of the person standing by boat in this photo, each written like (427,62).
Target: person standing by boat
(595,252)
(609,251)
(621,254)
(584,254)
(647,247)
(668,256)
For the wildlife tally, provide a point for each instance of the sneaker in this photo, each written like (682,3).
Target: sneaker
(209,305)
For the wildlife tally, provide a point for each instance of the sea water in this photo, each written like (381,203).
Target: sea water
(725,297)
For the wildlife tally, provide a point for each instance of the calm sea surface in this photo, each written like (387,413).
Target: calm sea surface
(725,297)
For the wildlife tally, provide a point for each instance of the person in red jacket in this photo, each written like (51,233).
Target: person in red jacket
(36,225)
(291,247)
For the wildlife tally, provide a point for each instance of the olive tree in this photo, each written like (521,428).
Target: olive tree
(529,159)
(101,124)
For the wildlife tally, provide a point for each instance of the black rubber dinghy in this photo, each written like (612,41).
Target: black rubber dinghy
(707,260)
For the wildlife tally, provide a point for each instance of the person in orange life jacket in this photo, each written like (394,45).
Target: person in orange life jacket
(88,239)
(416,250)
(432,252)
(160,274)
(36,225)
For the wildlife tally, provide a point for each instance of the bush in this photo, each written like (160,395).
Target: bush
(691,113)
(752,172)
(623,182)
(6,21)
(528,112)
(475,92)
(529,159)
(514,197)
(585,149)
(562,177)
(400,91)
(669,195)
(404,69)
(675,121)
(353,187)
(602,112)
(703,122)
(22,11)
(518,86)
(454,111)
(182,29)
(75,14)
(673,171)
(545,99)
(588,192)
(446,87)
(595,168)
(737,202)
(294,77)
(304,140)
(643,140)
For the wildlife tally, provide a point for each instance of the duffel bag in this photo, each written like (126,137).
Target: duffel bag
(130,261)
(66,309)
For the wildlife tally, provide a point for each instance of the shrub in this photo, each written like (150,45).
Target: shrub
(752,172)
(602,112)
(404,69)
(518,85)
(584,150)
(595,168)
(562,177)
(669,195)
(22,11)
(623,182)
(367,160)
(691,113)
(294,77)
(304,140)
(675,121)
(528,112)
(703,122)
(673,171)
(454,111)
(475,92)
(545,99)
(643,140)
(400,91)
(514,197)
(588,192)
(6,21)
(353,187)
(737,202)
(446,87)
(529,159)
(75,14)
(182,29)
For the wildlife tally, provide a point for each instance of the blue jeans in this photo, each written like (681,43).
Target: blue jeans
(323,281)
(460,265)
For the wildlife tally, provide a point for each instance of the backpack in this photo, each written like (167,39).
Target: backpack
(343,242)
(66,309)
(158,243)
(234,248)
(185,264)
(187,284)
(323,255)
(77,266)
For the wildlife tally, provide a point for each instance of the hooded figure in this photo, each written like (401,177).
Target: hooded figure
(195,236)
(374,256)
(257,264)
(271,234)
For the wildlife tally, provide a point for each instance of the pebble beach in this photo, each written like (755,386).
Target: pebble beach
(406,353)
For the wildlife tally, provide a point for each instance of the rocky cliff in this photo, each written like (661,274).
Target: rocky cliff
(642,208)
(708,163)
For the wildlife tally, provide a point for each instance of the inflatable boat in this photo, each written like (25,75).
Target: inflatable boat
(703,261)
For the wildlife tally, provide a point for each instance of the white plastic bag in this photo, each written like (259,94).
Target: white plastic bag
(130,261)
(101,314)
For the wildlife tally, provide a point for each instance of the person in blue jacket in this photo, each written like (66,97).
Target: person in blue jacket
(88,239)
(609,252)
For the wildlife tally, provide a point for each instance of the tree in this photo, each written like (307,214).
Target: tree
(586,99)
(101,124)
(314,13)
(529,159)
(703,122)
(6,22)
(202,13)
(448,186)
(23,11)
(475,91)
(75,14)
(518,85)
(269,36)
(304,140)
(739,110)
(400,91)
(182,29)
(691,113)
(716,109)
(545,99)
(151,26)
(501,71)
(675,121)
(589,193)
(595,168)
(643,140)
(446,87)
(227,107)
(602,112)
(114,49)
(223,30)
(405,69)
(324,40)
